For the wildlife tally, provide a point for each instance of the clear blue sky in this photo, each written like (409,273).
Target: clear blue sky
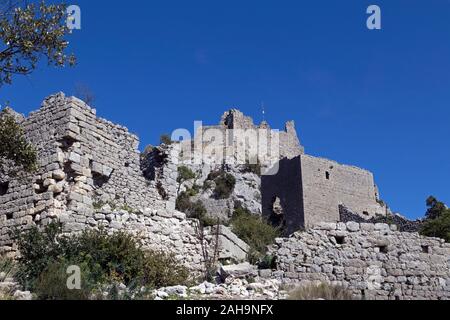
(376,99)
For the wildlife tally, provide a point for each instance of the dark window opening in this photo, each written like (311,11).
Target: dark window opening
(426,249)
(340,239)
(327,175)
(127,164)
(384,249)
(4,186)
(9,216)
(39,189)
(277,217)
(66,143)
(99,179)
(365,213)
(70,173)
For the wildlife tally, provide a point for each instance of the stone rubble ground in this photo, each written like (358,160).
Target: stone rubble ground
(231,289)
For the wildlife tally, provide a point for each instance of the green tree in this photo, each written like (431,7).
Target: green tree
(435,208)
(29,32)
(14,147)
(437,223)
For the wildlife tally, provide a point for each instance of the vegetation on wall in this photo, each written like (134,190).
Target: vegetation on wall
(166,139)
(14,146)
(224,184)
(104,259)
(29,32)
(194,210)
(437,223)
(255,231)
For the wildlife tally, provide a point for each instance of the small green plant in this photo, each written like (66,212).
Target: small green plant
(268,262)
(194,210)
(104,258)
(252,168)
(224,184)
(52,284)
(7,268)
(320,292)
(14,147)
(128,209)
(185,174)
(437,223)
(166,139)
(255,231)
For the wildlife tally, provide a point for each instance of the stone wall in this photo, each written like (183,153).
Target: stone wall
(84,161)
(92,175)
(374,261)
(327,184)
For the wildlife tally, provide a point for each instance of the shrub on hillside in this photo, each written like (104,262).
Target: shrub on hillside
(437,223)
(185,174)
(104,259)
(166,139)
(194,210)
(320,292)
(14,147)
(224,184)
(255,231)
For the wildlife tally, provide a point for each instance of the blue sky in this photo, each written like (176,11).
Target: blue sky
(376,99)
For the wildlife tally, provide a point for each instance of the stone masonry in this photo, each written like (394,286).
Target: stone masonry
(91,175)
(310,190)
(374,261)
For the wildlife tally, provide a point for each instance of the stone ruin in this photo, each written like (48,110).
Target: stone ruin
(91,175)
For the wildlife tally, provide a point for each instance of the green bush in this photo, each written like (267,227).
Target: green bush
(438,228)
(322,291)
(14,146)
(252,168)
(185,174)
(437,223)
(224,181)
(104,259)
(166,139)
(52,284)
(255,231)
(194,210)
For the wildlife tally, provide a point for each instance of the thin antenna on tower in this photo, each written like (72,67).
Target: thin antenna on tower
(263,107)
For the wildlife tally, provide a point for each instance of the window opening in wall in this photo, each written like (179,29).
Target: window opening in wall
(383,249)
(4,186)
(327,175)
(425,249)
(277,217)
(340,239)
(365,213)
(9,216)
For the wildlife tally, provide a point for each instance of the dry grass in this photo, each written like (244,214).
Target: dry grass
(7,271)
(320,292)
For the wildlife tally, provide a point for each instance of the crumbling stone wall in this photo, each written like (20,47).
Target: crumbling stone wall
(92,175)
(286,143)
(374,261)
